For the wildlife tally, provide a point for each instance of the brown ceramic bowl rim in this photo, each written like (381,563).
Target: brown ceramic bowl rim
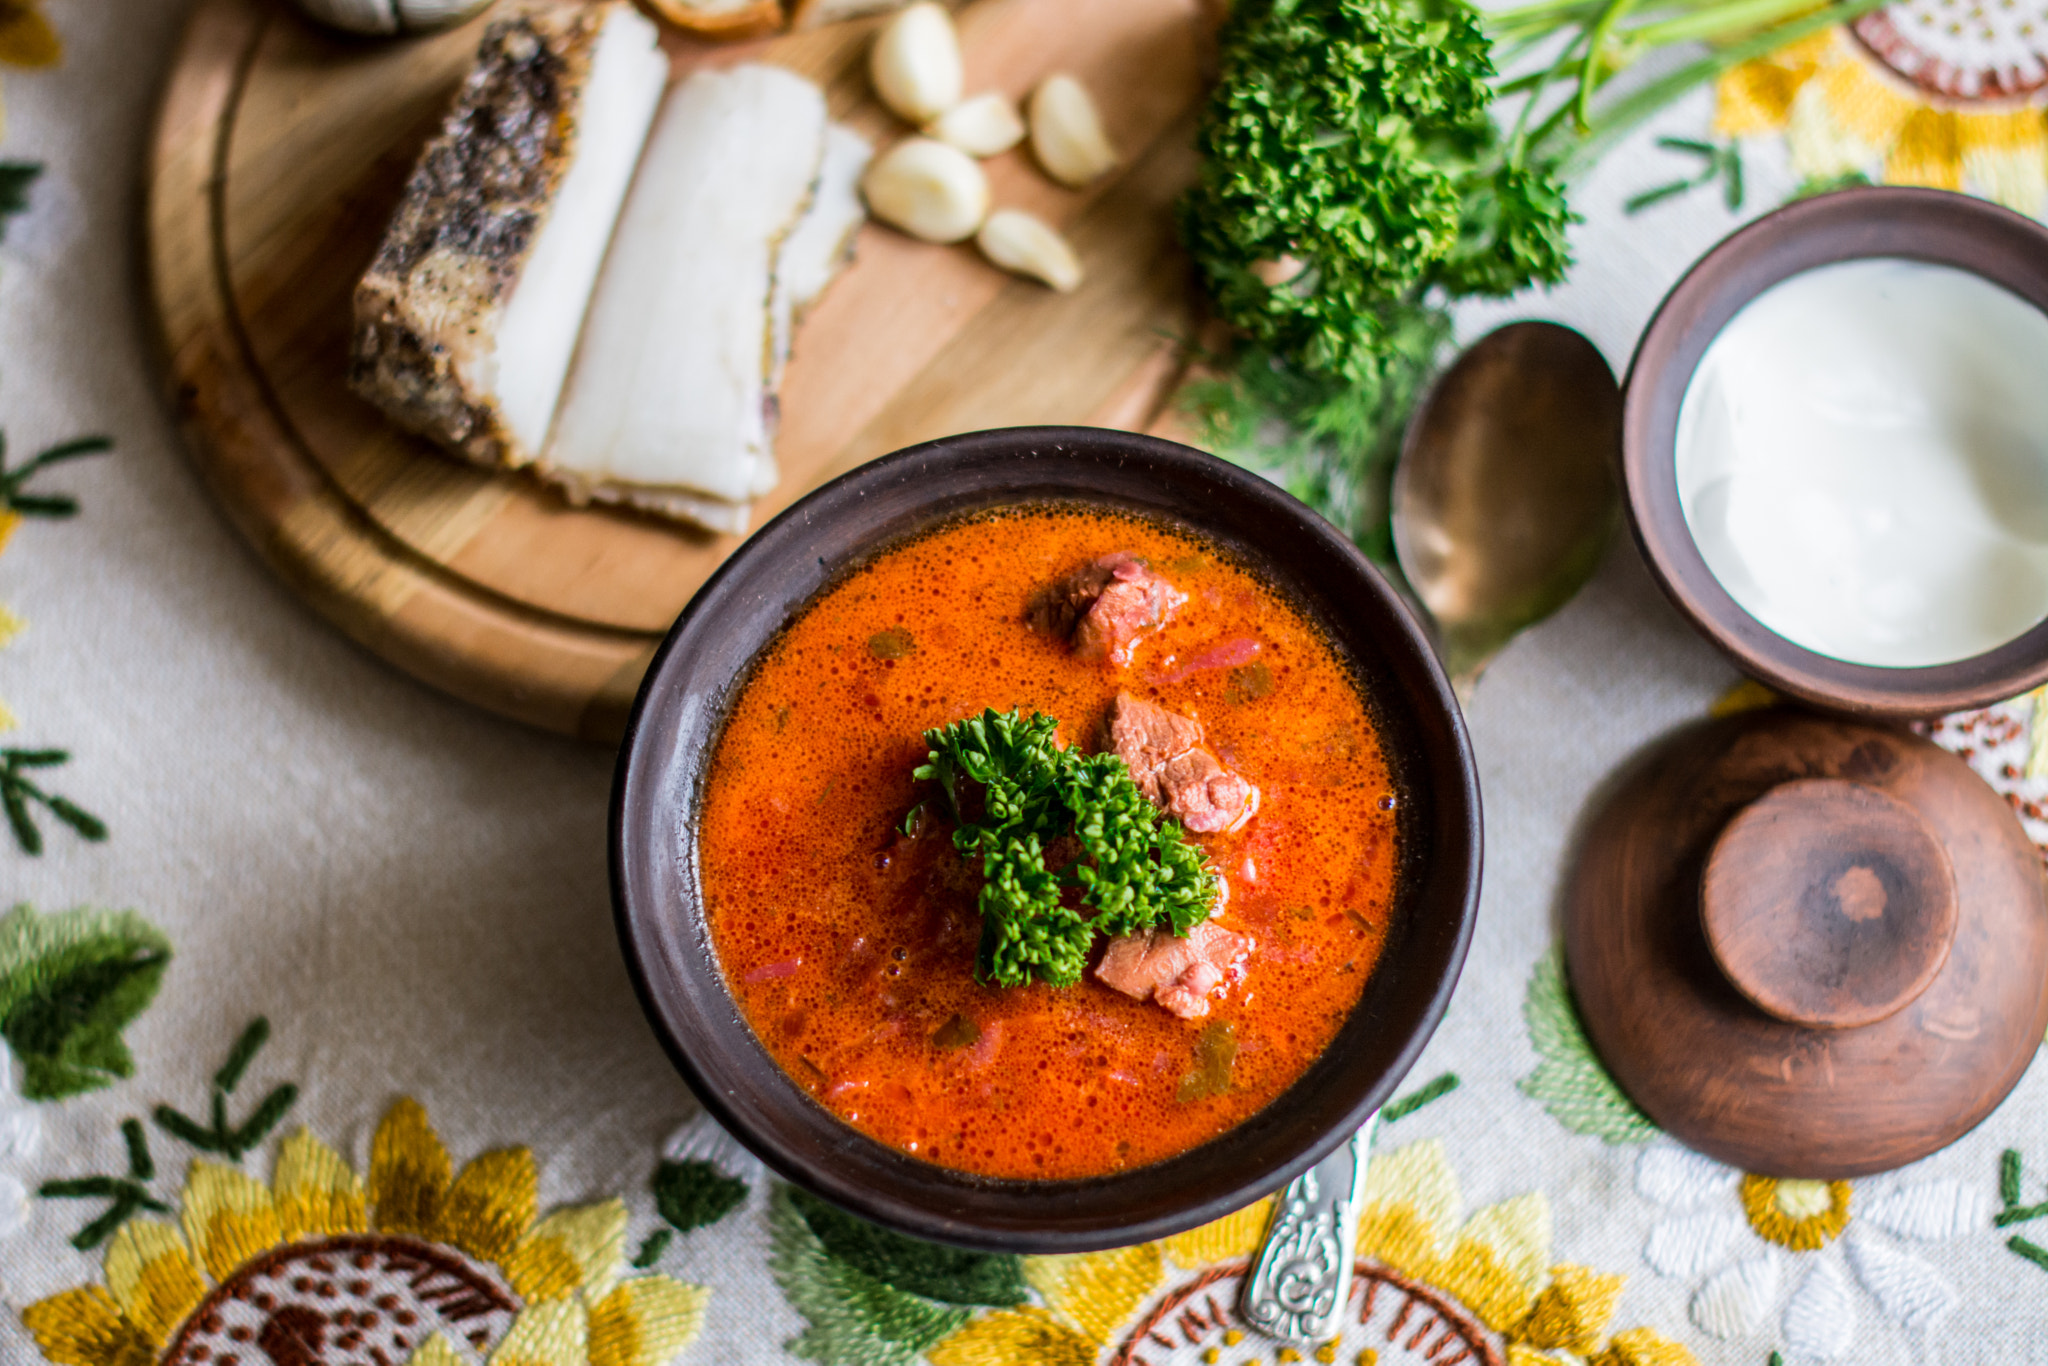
(700,666)
(1933,226)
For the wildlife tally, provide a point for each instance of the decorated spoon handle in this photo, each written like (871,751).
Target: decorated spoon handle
(1302,1278)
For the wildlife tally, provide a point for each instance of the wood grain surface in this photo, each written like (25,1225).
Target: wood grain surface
(279,154)
(1828,903)
(1699,1057)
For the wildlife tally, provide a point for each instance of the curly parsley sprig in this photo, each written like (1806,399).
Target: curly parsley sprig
(1013,792)
(1350,164)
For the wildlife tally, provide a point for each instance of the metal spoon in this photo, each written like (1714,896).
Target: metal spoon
(1302,1278)
(1506,496)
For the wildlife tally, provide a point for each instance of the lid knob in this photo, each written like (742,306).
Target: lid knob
(1828,904)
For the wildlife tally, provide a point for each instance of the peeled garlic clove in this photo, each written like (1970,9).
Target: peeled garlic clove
(1066,132)
(928,189)
(981,127)
(1278,270)
(915,63)
(1030,246)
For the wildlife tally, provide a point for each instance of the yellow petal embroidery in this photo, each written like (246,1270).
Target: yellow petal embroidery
(491,1204)
(317,1193)
(1410,1201)
(1573,1310)
(408,1171)
(1642,1347)
(26,38)
(1013,1338)
(11,625)
(1748,695)
(9,520)
(84,1327)
(1496,1265)
(2010,130)
(1818,146)
(645,1321)
(1519,1355)
(1756,97)
(1517,1233)
(1863,105)
(556,1334)
(152,1277)
(570,1250)
(2015,177)
(1096,1291)
(437,1351)
(2005,156)
(228,1218)
(1234,1235)
(1928,152)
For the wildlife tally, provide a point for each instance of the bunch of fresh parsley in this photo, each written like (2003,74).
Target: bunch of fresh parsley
(1012,792)
(1351,164)
(1352,180)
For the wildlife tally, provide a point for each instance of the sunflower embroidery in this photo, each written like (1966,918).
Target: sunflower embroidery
(421,1266)
(1847,103)
(1429,1288)
(1748,1237)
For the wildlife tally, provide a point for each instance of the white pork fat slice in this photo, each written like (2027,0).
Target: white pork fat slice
(669,395)
(821,244)
(468,316)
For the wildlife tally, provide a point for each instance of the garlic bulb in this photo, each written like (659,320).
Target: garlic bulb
(915,64)
(1030,246)
(391,16)
(1066,132)
(981,127)
(928,189)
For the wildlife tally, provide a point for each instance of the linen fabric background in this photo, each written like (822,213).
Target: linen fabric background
(414,893)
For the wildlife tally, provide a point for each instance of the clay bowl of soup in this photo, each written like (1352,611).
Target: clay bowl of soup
(807,936)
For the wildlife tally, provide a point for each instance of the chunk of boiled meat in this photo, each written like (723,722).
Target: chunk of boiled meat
(1165,755)
(1105,607)
(1180,974)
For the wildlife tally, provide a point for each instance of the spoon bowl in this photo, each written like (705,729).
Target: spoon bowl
(1505,496)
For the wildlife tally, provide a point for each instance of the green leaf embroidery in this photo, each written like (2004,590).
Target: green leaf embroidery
(1407,1105)
(694,1193)
(127,1196)
(852,1318)
(15,179)
(1570,1082)
(911,1264)
(651,1250)
(69,984)
(13,481)
(18,791)
(231,1140)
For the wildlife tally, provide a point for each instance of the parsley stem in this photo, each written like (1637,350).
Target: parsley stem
(1731,16)
(1590,71)
(1620,118)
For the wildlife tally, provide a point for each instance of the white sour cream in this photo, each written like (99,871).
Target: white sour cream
(1863,462)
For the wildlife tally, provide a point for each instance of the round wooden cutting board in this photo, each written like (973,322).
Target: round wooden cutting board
(280,153)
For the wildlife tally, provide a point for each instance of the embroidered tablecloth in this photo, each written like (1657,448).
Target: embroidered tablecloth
(321,1050)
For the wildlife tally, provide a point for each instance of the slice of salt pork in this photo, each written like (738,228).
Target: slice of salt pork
(668,405)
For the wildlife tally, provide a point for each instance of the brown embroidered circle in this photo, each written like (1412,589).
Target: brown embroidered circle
(294,1307)
(1962,51)
(1404,1322)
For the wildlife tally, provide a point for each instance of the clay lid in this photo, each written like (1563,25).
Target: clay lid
(1808,947)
